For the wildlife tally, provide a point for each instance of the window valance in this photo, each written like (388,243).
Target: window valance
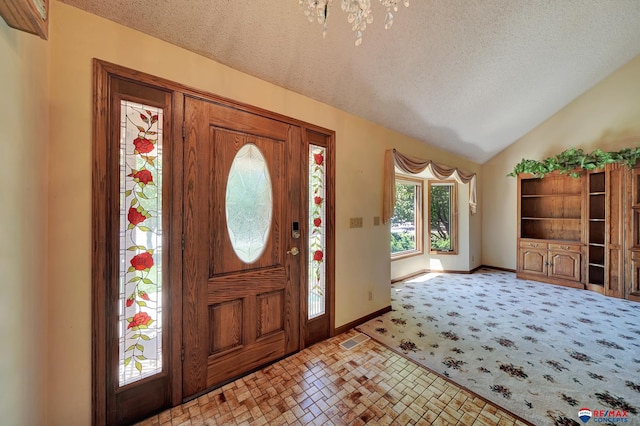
(393,158)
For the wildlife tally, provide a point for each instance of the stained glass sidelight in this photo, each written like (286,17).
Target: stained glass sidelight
(317,231)
(249,203)
(140,277)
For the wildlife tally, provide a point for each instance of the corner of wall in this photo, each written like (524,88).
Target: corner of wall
(607,116)
(24,130)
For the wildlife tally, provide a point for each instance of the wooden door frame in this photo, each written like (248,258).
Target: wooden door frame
(310,136)
(102,259)
(104,256)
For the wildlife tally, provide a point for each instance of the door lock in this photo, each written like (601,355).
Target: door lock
(294,251)
(295,230)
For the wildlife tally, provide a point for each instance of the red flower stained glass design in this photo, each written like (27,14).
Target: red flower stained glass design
(135,216)
(143,146)
(142,176)
(140,242)
(316,291)
(139,320)
(142,261)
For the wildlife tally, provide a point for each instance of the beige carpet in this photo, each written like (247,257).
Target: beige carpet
(541,351)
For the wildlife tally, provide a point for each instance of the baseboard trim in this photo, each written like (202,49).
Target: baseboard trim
(354,324)
(406,277)
(426,271)
(447,271)
(497,267)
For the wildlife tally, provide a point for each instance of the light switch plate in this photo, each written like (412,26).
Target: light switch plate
(355,222)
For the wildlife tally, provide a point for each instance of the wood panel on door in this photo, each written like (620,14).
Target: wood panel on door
(633,280)
(533,261)
(237,314)
(632,255)
(564,265)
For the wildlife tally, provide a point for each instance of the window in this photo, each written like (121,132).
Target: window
(443,217)
(317,231)
(406,223)
(140,306)
(249,203)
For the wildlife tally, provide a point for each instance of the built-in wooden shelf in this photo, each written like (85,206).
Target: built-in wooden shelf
(550,229)
(551,195)
(582,232)
(551,218)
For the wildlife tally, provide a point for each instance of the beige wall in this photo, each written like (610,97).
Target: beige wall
(77,37)
(24,121)
(606,117)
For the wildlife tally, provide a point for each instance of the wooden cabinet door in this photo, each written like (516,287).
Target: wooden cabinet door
(633,282)
(632,225)
(564,265)
(533,261)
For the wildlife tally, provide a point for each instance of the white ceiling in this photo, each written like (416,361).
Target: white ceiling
(469,76)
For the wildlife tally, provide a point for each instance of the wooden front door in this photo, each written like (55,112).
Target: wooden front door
(242,262)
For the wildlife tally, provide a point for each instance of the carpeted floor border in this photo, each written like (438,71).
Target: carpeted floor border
(445,378)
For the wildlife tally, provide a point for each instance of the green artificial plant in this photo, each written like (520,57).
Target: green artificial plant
(572,161)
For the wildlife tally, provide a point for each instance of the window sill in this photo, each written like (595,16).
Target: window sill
(406,254)
(443,253)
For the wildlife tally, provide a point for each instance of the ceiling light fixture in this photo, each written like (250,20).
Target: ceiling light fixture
(358,13)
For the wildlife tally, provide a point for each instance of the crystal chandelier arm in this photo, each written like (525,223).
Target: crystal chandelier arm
(358,12)
(391,4)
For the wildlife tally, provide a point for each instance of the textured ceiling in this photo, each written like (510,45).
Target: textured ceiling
(469,76)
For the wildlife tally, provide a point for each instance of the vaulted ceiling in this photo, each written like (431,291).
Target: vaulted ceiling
(468,76)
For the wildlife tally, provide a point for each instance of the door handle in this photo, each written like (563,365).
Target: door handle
(294,251)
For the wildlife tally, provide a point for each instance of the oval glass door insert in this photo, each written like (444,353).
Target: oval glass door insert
(249,203)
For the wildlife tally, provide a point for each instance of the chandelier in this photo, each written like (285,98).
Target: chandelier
(358,13)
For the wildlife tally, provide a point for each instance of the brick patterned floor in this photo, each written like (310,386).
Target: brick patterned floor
(326,384)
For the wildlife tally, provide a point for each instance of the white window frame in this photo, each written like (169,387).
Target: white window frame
(418,215)
(453,225)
